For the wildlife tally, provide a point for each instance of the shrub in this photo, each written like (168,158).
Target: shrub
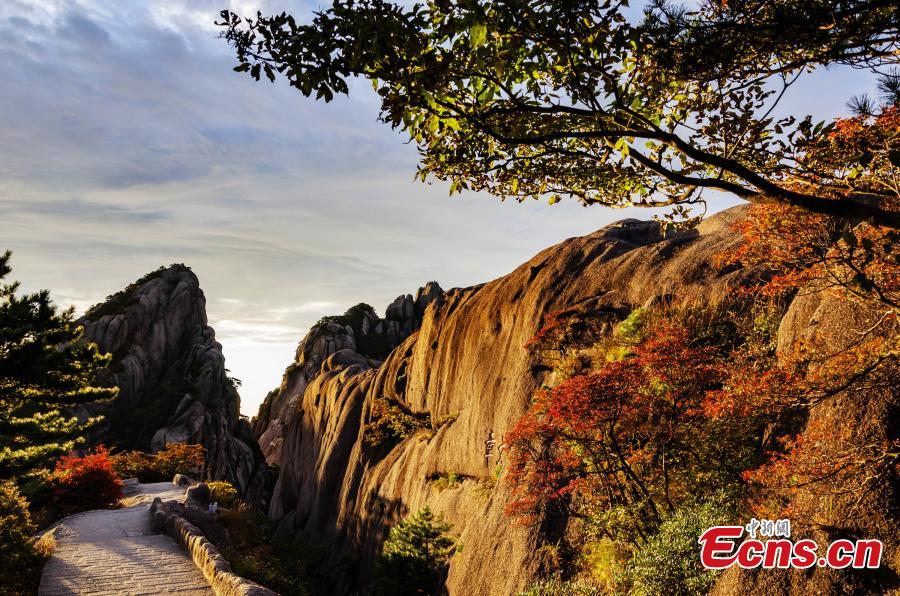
(38,492)
(180,458)
(415,555)
(668,562)
(443,480)
(556,586)
(81,483)
(291,568)
(135,464)
(602,561)
(176,458)
(223,493)
(20,563)
(390,422)
(561,451)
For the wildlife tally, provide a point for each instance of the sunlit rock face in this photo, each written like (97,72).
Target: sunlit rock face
(361,331)
(460,359)
(173,384)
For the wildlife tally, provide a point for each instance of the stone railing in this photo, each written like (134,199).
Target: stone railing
(206,556)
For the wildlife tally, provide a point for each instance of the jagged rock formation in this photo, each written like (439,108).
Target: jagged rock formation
(359,330)
(465,369)
(173,385)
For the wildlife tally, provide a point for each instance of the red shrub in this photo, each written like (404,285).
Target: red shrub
(81,483)
(624,435)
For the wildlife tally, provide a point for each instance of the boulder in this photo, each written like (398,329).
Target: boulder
(197,496)
(183,480)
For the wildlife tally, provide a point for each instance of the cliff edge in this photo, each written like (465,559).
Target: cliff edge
(173,385)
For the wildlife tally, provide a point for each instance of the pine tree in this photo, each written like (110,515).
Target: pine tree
(45,369)
(415,555)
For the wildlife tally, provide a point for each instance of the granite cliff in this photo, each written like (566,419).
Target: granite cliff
(173,384)
(361,331)
(460,368)
(465,370)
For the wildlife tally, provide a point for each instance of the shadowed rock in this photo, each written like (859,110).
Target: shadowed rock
(174,387)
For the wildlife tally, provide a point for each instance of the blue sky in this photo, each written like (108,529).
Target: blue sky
(129,143)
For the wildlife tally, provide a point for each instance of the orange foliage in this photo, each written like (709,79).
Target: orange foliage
(176,458)
(859,159)
(562,329)
(822,461)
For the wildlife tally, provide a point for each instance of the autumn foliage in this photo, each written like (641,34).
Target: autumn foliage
(860,260)
(562,329)
(803,252)
(624,436)
(85,482)
(175,458)
(820,462)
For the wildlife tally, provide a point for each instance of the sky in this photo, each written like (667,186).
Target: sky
(128,142)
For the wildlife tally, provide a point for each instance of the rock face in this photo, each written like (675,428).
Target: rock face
(171,375)
(463,363)
(361,331)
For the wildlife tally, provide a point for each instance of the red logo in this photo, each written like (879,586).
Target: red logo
(721,547)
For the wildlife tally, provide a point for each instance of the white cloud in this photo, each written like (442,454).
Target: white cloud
(130,143)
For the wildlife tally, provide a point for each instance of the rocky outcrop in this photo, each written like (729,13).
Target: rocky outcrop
(464,368)
(359,330)
(173,385)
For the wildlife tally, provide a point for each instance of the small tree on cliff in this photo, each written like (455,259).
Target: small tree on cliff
(44,369)
(529,98)
(415,555)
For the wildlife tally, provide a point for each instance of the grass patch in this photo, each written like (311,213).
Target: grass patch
(442,481)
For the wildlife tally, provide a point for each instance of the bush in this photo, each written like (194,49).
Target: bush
(556,586)
(81,483)
(415,556)
(390,422)
(223,493)
(136,464)
(38,491)
(180,458)
(176,458)
(291,568)
(20,563)
(669,562)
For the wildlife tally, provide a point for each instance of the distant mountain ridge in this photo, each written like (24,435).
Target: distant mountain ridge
(359,330)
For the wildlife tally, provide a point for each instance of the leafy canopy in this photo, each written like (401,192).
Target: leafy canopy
(45,368)
(537,98)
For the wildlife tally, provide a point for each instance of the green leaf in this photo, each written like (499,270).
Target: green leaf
(477,35)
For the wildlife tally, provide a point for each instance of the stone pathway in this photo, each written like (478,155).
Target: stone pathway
(117,551)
